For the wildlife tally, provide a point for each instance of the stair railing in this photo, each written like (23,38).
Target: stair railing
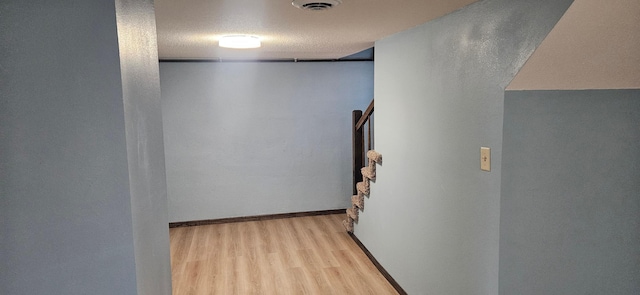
(360,121)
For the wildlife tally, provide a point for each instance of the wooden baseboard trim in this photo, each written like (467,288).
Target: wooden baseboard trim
(375,262)
(255,218)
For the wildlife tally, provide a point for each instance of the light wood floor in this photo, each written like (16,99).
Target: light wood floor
(303,255)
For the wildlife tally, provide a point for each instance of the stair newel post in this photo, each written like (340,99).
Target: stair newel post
(369,147)
(358,149)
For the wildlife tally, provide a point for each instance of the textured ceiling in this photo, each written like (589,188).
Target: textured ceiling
(595,45)
(189,29)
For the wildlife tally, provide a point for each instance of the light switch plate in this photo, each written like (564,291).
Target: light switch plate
(485,159)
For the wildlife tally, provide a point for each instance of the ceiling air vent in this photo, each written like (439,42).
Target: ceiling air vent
(315,5)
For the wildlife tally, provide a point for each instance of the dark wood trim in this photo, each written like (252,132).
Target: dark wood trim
(255,218)
(378,266)
(264,60)
(365,116)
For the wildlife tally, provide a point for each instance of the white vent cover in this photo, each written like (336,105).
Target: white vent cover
(315,5)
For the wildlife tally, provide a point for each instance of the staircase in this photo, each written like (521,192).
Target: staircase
(357,201)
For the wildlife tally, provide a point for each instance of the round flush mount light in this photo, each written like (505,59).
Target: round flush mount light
(316,5)
(239,41)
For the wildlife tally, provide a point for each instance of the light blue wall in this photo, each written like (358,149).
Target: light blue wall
(570,208)
(433,217)
(65,209)
(82,193)
(247,139)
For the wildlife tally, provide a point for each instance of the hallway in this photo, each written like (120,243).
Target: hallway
(301,255)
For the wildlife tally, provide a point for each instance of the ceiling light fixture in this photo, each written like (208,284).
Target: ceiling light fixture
(239,41)
(315,5)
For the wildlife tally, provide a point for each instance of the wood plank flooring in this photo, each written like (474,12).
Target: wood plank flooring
(302,255)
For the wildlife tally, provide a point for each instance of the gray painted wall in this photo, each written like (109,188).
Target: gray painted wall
(65,210)
(145,147)
(78,213)
(570,208)
(433,217)
(246,139)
